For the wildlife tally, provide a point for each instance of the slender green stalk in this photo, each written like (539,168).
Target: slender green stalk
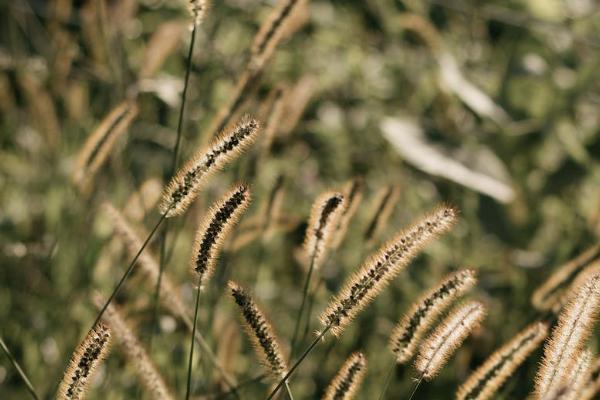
(388,379)
(22,374)
(301,311)
(189,373)
(297,363)
(130,268)
(289,391)
(163,241)
(416,387)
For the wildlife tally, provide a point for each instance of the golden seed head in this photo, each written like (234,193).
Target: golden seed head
(407,335)
(383,266)
(187,183)
(348,379)
(447,337)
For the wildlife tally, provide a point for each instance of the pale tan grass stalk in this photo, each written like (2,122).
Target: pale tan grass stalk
(84,362)
(187,183)
(569,337)
(353,193)
(145,369)
(546,295)
(379,269)
(99,144)
(591,387)
(385,201)
(407,335)
(163,42)
(213,230)
(486,380)
(296,102)
(259,329)
(271,209)
(347,381)
(143,200)
(274,117)
(447,337)
(324,217)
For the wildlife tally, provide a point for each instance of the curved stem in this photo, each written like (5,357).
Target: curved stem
(416,387)
(22,374)
(297,363)
(388,379)
(193,340)
(130,268)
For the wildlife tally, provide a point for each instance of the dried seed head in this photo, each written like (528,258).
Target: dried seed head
(386,199)
(592,385)
(274,116)
(185,186)
(353,193)
(135,353)
(324,217)
(214,229)
(383,266)
(408,333)
(448,337)
(271,31)
(98,145)
(551,290)
(489,377)
(569,337)
(84,361)
(198,10)
(578,375)
(348,379)
(260,331)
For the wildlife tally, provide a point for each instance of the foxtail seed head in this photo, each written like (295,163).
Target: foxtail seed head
(383,266)
(489,377)
(146,372)
(198,10)
(214,229)
(408,333)
(592,384)
(384,205)
(448,337)
(84,361)
(353,193)
(552,289)
(260,331)
(569,336)
(185,186)
(324,217)
(348,379)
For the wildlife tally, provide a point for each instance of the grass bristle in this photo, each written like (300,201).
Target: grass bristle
(486,380)
(407,335)
(447,337)
(84,362)
(213,230)
(383,266)
(569,336)
(187,183)
(260,331)
(348,379)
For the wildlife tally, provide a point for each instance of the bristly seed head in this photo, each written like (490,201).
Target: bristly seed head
(198,10)
(185,186)
(353,193)
(408,333)
(324,218)
(569,336)
(348,379)
(485,381)
(448,337)
(383,266)
(215,228)
(84,361)
(260,331)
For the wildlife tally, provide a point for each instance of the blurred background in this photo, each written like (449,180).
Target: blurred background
(489,105)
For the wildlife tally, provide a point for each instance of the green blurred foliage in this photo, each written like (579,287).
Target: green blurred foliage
(60,73)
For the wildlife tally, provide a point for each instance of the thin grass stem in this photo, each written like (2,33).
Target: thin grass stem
(302,305)
(22,374)
(189,372)
(416,387)
(388,379)
(297,363)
